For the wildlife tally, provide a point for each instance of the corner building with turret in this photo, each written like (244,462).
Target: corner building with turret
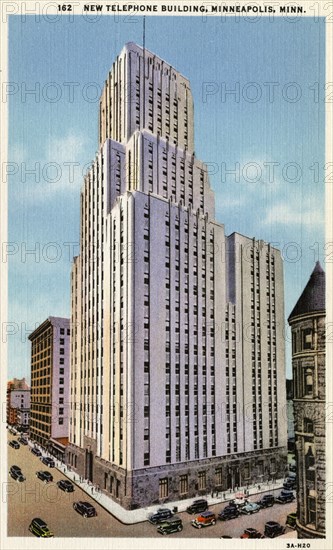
(177,362)
(307,321)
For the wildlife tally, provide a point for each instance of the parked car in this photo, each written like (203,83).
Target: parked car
(171,525)
(292,468)
(229,512)
(14,444)
(35,451)
(39,528)
(44,476)
(267,501)
(204,520)
(251,533)
(250,508)
(197,506)
(15,472)
(160,515)
(12,431)
(65,485)
(48,461)
(86,509)
(22,440)
(291,520)
(273,529)
(290,483)
(285,496)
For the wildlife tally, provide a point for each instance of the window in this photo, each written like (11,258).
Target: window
(308,382)
(62,341)
(163,488)
(62,361)
(60,421)
(62,351)
(62,331)
(294,342)
(312,510)
(202,480)
(218,476)
(307,338)
(183,484)
(308,425)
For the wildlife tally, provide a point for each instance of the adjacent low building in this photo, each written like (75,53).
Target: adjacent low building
(18,403)
(307,321)
(50,351)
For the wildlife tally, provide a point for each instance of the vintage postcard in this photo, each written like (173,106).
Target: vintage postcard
(166,274)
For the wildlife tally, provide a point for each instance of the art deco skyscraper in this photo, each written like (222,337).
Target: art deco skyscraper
(177,349)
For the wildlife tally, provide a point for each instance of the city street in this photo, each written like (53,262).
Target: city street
(33,498)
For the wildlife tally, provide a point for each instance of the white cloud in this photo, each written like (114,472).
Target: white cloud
(60,168)
(287,213)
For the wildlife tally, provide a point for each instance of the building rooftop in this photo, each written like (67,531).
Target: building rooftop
(313,296)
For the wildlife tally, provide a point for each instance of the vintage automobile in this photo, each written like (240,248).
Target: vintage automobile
(291,520)
(250,508)
(39,528)
(86,509)
(273,529)
(160,515)
(171,525)
(285,497)
(229,512)
(204,520)
(197,506)
(252,533)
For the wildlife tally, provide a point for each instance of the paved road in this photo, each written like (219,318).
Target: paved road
(33,498)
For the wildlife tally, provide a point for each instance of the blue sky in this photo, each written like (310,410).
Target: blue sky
(271,131)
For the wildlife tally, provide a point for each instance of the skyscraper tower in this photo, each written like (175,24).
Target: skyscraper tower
(177,369)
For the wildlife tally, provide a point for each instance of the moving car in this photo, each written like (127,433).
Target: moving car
(14,444)
(229,512)
(285,496)
(15,472)
(199,505)
(251,533)
(86,509)
(22,440)
(291,520)
(12,431)
(204,520)
(48,461)
(39,528)
(44,476)
(267,501)
(250,508)
(171,525)
(65,485)
(292,468)
(273,529)
(160,515)
(35,451)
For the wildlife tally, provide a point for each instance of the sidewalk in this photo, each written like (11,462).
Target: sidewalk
(137,516)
